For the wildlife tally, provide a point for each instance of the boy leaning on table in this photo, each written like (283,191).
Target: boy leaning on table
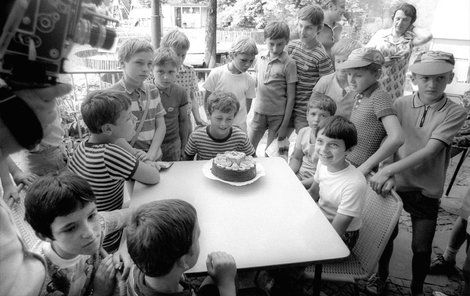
(430,121)
(163,242)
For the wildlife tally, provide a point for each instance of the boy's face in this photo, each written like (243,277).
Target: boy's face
(359,79)
(276,46)
(337,9)
(243,61)
(181,53)
(339,59)
(165,75)
(432,87)
(138,67)
(221,123)
(315,116)
(194,251)
(78,233)
(124,127)
(308,32)
(331,152)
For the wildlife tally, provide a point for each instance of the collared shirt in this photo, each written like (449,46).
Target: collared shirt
(328,36)
(344,98)
(273,75)
(369,108)
(173,99)
(138,98)
(420,123)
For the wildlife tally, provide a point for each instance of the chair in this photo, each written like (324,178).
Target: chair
(380,216)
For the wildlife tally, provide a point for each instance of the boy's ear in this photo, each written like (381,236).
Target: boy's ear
(107,129)
(451,78)
(378,74)
(43,237)
(181,262)
(413,78)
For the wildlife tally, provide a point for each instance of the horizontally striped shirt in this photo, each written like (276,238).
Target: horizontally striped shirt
(105,167)
(138,98)
(312,63)
(204,146)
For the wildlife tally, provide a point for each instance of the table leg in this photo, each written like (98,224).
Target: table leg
(317,280)
(462,158)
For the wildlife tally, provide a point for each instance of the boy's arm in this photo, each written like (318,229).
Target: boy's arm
(154,151)
(207,93)
(341,222)
(422,36)
(195,109)
(183,123)
(139,154)
(10,192)
(390,145)
(296,159)
(18,175)
(307,182)
(314,191)
(222,269)
(282,132)
(190,149)
(146,173)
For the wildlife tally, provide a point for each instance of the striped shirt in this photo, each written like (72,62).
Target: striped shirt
(138,99)
(311,65)
(105,167)
(205,147)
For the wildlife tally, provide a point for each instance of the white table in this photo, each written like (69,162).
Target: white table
(271,222)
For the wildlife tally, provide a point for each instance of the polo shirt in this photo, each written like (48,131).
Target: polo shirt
(173,98)
(273,75)
(344,99)
(441,121)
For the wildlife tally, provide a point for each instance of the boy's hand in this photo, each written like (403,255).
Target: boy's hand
(282,133)
(381,182)
(222,268)
(155,155)
(105,277)
(141,155)
(11,195)
(122,262)
(201,122)
(25,178)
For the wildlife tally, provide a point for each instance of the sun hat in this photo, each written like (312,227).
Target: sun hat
(362,57)
(433,63)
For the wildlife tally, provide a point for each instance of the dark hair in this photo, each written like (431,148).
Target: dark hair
(223,101)
(322,102)
(408,9)
(103,106)
(54,195)
(312,13)
(165,55)
(159,233)
(277,30)
(338,127)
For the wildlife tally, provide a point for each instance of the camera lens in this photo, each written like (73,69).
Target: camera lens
(101,36)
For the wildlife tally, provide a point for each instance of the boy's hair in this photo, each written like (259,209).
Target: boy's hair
(225,102)
(322,102)
(165,55)
(338,127)
(277,30)
(103,106)
(344,47)
(159,233)
(244,45)
(131,47)
(324,3)
(54,195)
(176,40)
(312,13)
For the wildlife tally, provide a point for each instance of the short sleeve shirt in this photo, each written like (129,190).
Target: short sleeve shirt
(242,85)
(344,99)
(306,144)
(202,144)
(440,121)
(273,75)
(369,108)
(173,98)
(312,63)
(342,192)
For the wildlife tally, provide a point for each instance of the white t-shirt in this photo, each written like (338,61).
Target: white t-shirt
(342,192)
(241,85)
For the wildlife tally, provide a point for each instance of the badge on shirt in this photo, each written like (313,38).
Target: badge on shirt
(170,109)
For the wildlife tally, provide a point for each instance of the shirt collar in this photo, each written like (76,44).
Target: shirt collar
(282,57)
(417,103)
(166,91)
(131,91)
(368,91)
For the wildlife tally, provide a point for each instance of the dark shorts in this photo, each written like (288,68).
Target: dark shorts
(420,206)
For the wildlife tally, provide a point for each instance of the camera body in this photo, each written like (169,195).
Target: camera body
(37,36)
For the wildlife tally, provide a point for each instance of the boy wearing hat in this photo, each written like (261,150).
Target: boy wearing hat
(430,121)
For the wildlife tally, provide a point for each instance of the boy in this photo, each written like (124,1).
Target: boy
(339,188)
(275,86)
(331,31)
(304,160)
(104,164)
(311,59)
(175,102)
(186,76)
(163,242)
(62,211)
(136,59)
(430,121)
(335,85)
(234,79)
(220,136)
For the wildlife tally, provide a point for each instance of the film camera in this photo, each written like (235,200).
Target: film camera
(37,35)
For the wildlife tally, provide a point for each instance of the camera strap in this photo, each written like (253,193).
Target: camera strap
(144,116)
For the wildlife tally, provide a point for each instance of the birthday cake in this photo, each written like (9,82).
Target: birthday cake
(234,166)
